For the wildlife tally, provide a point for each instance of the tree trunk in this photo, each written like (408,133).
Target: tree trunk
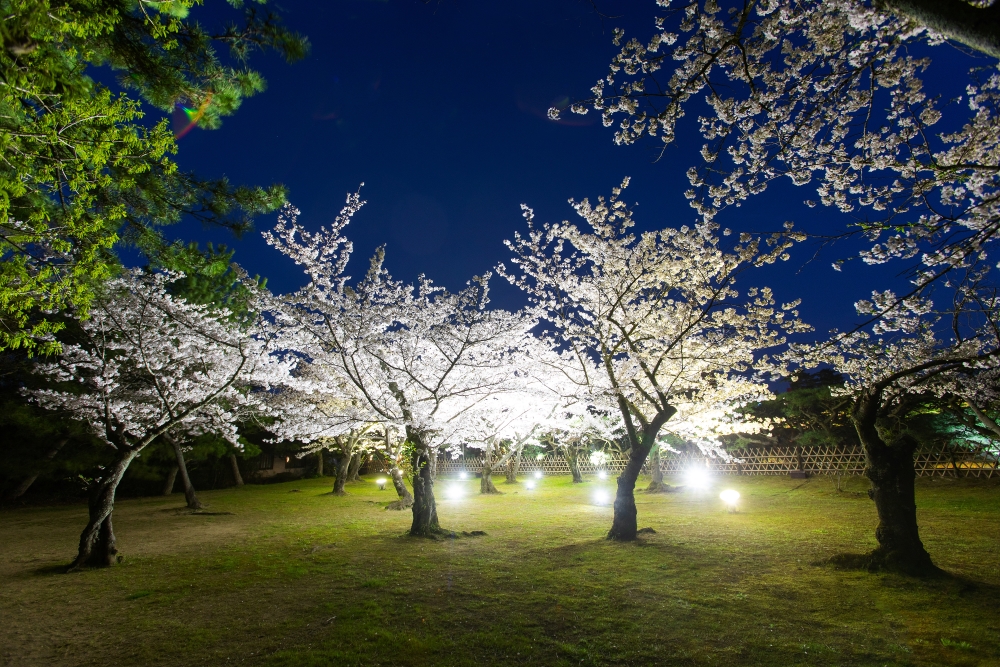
(624,526)
(343,465)
(97,541)
(405,497)
(425,519)
(514,466)
(26,483)
(656,485)
(234,462)
(486,484)
(977,27)
(890,469)
(433,466)
(356,462)
(572,454)
(319,462)
(189,492)
(168,483)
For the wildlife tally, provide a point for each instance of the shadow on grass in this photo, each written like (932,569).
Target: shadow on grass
(935,580)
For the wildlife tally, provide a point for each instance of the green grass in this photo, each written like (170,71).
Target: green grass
(305,578)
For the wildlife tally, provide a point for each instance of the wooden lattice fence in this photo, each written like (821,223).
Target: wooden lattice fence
(818,460)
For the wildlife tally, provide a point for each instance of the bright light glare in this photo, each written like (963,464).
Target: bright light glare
(696,478)
(538,474)
(463,475)
(529,485)
(454,492)
(381,482)
(730,496)
(601,497)
(602,475)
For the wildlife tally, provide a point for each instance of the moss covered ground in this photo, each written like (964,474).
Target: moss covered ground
(288,575)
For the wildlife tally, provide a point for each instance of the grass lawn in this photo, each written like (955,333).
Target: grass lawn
(297,577)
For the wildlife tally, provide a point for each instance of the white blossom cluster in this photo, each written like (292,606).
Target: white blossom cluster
(652,324)
(147,363)
(824,92)
(412,357)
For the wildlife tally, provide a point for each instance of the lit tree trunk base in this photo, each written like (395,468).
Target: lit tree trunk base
(624,527)
(97,541)
(890,470)
(343,469)
(573,458)
(405,497)
(513,467)
(486,484)
(356,462)
(657,485)
(425,518)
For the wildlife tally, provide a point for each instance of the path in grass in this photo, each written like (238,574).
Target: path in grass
(297,577)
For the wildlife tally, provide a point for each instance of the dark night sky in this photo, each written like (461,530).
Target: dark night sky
(440,110)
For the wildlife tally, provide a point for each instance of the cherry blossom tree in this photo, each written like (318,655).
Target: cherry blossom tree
(658,314)
(913,353)
(829,93)
(147,364)
(418,356)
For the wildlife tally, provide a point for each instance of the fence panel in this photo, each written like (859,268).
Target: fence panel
(817,460)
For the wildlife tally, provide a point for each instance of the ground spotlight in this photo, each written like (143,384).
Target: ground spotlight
(538,474)
(454,492)
(529,485)
(602,475)
(381,483)
(730,496)
(601,497)
(463,475)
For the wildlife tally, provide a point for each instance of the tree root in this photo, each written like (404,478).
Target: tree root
(882,561)
(662,487)
(442,534)
(399,505)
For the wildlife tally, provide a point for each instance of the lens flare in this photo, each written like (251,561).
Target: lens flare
(697,478)
(185,118)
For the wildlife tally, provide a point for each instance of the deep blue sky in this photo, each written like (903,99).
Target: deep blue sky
(440,110)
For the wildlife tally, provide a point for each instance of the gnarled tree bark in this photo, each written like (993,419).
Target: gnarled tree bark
(97,541)
(889,466)
(425,519)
